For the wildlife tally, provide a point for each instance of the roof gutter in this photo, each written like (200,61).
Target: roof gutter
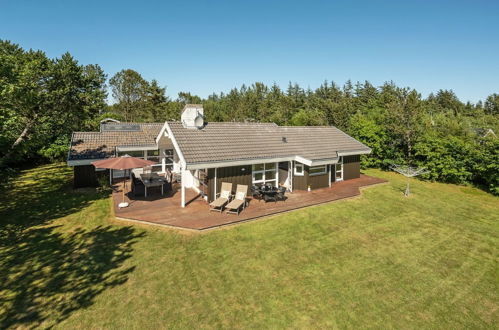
(81,162)
(137,148)
(355,152)
(325,161)
(252,161)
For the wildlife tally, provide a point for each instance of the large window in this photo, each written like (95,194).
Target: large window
(153,155)
(134,153)
(317,170)
(264,174)
(168,156)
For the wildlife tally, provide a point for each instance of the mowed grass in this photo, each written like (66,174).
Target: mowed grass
(377,261)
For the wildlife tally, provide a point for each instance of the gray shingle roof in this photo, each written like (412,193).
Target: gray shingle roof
(240,141)
(218,142)
(97,145)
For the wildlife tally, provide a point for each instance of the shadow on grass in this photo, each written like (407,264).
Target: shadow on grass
(48,272)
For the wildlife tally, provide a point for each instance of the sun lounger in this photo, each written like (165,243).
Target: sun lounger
(224,197)
(239,202)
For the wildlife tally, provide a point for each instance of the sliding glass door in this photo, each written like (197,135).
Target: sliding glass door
(338,170)
(264,174)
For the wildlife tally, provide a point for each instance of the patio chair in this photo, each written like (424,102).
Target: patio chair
(239,202)
(138,188)
(256,193)
(281,191)
(147,173)
(223,197)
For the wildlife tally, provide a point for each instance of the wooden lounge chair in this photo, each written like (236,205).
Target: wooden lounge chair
(239,201)
(223,197)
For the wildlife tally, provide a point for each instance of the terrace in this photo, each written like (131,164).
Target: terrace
(165,211)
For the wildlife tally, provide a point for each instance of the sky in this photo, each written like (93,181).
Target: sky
(212,46)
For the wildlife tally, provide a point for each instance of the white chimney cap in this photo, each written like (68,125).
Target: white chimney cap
(193,116)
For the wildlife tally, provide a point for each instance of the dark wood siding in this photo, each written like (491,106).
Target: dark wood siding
(234,174)
(211,182)
(318,181)
(86,176)
(300,182)
(351,167)
(315,181)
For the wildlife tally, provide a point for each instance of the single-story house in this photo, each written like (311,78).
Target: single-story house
(205,154)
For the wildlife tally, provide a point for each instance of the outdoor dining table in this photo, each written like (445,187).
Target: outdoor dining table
(269,193)
(154,181)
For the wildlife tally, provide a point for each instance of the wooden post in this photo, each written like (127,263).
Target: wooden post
(124,186)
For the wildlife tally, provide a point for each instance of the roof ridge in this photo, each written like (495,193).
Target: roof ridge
(230,122)
(134,123)
(321,126)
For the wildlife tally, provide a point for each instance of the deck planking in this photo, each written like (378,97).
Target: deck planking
(166,210)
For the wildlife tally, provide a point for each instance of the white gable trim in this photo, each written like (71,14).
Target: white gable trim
(161,132)
(175,144)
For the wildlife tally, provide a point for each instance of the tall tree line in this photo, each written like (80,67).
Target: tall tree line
(453,139)
(43,100)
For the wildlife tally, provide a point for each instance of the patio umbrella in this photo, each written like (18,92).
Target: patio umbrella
(122,163)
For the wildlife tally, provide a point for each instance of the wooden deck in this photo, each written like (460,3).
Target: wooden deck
(166,210)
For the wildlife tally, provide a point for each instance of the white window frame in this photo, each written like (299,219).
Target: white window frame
(122,153)
(147,156)
(340,162)
(302,169)
(264,180)
(324,170)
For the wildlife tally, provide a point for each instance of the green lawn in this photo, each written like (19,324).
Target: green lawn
(377,261)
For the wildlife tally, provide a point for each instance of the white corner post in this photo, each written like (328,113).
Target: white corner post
(277,174)
(182,187)
(163,162)
(290,175)
(330,170)
(215,185)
